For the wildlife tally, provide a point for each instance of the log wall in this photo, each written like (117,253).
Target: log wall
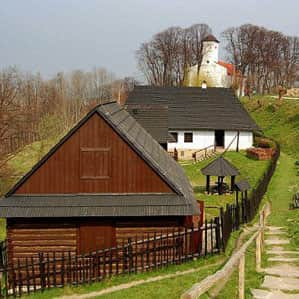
(29,237)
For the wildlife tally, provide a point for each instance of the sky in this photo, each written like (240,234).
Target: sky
(63,35)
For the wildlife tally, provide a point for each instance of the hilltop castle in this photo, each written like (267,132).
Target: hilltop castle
(212,71)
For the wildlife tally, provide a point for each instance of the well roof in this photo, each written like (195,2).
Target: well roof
(220,167)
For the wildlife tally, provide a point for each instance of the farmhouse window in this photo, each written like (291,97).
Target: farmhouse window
(188,137)
(175,137)
(94,163)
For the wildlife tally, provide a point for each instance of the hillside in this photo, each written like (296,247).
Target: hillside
(277,119)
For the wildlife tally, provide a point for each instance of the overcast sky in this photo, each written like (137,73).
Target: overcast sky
(62,35)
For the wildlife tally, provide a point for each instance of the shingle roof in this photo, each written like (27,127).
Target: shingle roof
(145,114)
(144,144)
(193,108)
(220,167)
(93,205)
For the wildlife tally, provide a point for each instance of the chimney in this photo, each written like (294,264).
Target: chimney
(204,85)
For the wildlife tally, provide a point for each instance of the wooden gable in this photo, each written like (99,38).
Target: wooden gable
(95,159)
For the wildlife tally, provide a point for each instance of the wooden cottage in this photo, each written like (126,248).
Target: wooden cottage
(192,120)
(105,181)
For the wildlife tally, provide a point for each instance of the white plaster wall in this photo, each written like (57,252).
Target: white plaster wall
(210,51)
(245,139)
(212,72)
(201,139)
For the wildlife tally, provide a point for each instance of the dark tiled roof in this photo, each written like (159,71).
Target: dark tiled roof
(193,108)
(145,114)
(144,144)
(242,185)
(220,167)
(93,205)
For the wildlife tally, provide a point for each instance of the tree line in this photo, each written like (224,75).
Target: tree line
(33,108)
(266,58)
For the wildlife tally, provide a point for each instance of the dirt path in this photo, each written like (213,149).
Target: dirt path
(138,282)
(281,279)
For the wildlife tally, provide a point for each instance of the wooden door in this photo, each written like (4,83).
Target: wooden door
(95,237)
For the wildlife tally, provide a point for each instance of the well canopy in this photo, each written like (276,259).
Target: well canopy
(220,167)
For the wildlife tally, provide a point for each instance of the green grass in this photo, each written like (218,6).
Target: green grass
(20,163)
(280,191)
(250,169)
(167,288)
(279,120)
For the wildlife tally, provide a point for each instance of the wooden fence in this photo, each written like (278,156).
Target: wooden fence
(140,255)
(237,259)
(244,211)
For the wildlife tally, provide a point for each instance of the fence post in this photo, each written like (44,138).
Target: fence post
(242,277)
(130,255)
(258,254)
(222,228)
(217,234)
(42,271)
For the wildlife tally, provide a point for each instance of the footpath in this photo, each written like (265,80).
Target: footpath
(281,278)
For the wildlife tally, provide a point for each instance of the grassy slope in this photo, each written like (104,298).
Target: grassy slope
(22,162)
(280,192)
(281,122)
(249,169)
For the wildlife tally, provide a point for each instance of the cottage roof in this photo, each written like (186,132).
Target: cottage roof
(142,143)
(220,167)
(190,108)
(145,114)
(94,205)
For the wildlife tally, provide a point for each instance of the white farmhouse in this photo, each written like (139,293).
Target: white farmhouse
(190,119)
(212,71)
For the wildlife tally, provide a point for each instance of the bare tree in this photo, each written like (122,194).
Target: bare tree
(267,58)
(165,59)
(9,87)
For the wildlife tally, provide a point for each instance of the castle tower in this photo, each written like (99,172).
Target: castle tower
(210,50)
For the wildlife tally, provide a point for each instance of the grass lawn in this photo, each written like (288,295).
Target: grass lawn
(167,288)
(281,122)
(250,169)
(171,288)
(284,183)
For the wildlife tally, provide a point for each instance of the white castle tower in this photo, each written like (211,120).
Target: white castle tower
(210,50)
(212,72)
